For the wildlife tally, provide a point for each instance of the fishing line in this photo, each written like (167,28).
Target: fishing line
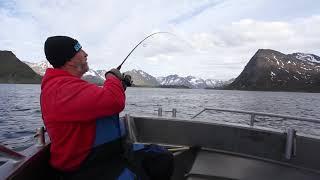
(119,67)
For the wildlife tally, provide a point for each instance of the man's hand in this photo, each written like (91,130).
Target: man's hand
(114,72)
(127,80)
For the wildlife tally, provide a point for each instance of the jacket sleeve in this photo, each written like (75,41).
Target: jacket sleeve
(78,100)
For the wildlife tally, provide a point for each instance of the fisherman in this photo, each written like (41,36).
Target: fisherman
(82,119)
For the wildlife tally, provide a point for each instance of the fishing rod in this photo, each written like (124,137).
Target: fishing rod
(119,67)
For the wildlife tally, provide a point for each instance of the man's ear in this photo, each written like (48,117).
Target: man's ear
(71,62)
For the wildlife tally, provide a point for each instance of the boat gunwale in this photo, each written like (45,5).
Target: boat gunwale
(10,168)
(229,124)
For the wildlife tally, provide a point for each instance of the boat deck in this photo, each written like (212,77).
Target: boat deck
(215,152)
(217,165)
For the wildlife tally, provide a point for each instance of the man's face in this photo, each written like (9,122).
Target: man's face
(79,61)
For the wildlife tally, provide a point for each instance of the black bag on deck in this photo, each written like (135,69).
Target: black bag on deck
(156,161)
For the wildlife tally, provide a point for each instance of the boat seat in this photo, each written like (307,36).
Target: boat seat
(216,166)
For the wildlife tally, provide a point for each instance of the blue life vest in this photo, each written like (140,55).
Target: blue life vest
(109,129)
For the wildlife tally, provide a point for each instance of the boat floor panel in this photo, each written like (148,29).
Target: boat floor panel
(214,165)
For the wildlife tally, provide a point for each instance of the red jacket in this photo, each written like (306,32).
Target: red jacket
(70,107)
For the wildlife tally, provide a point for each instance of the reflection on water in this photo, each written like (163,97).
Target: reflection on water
(20,111)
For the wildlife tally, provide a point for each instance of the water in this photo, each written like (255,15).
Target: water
(19,114)
(20,111)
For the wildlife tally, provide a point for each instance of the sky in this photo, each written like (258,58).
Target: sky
(206,38)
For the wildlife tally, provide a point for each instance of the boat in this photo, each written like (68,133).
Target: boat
(202,150)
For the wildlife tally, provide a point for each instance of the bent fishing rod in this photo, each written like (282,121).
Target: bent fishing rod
(119,67)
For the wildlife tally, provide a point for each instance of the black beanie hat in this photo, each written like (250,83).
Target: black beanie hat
(60,49)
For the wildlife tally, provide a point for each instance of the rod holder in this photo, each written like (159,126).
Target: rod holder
(160,111)
(290,144)
(174,112)
(252,120)
(40,139)
(131,128)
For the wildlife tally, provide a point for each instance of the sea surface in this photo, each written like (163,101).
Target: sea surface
(20,112)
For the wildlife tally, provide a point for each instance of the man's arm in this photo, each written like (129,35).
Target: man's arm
(78,100)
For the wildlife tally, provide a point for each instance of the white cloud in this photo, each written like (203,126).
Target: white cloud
(212,38)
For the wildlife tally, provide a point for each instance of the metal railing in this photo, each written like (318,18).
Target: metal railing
(174,112)
(291,145)
(254,114)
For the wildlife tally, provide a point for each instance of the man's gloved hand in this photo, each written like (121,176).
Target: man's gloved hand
(127,80)
(116,73)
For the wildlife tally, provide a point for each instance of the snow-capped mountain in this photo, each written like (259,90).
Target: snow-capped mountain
(102,73)
(93,77)
(174,80)
(272,70)
(213,83)
(39,67)
(140,78)
(310,58)
(266,70)
(189,81)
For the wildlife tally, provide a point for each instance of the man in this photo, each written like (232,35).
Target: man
(74,110)
(83,123)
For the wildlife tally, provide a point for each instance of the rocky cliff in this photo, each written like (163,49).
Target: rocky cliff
(14,71)
(274,71)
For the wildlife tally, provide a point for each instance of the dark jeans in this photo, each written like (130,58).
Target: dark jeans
(109,160)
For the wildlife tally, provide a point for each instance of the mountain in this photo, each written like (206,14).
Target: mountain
(12,70)
(189,81)
(40,67)
(173,80)
(90,76)
(101,73)
(141,78)
(273,70)
(93,77)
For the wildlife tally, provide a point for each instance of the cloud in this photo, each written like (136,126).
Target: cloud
(194,9)
(212,39)
(223,52)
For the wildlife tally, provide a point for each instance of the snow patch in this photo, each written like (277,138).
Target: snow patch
(276,59)
(306,69)
(91,73)
(268,59)
(272,75)
(307,57)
